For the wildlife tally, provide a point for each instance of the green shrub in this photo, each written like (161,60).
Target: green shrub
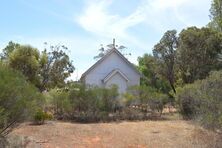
(77,101)
(148,98)
(189,99)
(108,101)
(158,101)
(90,104)
(129,99)
(18,98)
(59,102)
(130,113)
(202,100)
(40,117)
(103,116)
(83,99)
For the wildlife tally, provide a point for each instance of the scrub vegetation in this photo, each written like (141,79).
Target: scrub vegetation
(183,74)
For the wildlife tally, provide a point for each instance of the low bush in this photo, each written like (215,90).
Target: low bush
(130,113)
(18,98)
(189,99)
(202,101)
(40,117)
(147,98)
(80,103)
(59,102)
(93,104)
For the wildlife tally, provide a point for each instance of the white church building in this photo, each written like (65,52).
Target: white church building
(112,69)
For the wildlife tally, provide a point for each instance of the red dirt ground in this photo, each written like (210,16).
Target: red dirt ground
(144,134)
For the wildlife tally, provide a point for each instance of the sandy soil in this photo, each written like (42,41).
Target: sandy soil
(150,134)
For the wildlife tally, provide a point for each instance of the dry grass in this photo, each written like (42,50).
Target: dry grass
(174,133)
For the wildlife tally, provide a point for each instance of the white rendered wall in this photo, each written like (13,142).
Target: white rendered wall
(113,61)
(118,80)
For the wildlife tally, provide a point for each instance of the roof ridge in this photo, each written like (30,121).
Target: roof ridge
(106,55)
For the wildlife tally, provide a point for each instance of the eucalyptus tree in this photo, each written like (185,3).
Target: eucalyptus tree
(165,52)
(55,66)
(25,59)
(216,15)
(198,53)
(151,69)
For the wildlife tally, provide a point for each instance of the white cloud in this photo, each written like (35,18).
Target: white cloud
(97,19)
(176,14)
(161,15)
(165,4)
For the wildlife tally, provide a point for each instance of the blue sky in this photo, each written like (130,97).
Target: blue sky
(82,25)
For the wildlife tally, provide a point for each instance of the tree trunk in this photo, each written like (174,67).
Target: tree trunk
(172,86)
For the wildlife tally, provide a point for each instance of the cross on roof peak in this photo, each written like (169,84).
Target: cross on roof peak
(114,42)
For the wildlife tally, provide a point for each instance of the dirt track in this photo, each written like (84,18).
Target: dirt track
(152,134)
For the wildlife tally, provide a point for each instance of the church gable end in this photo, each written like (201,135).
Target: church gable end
(112,64)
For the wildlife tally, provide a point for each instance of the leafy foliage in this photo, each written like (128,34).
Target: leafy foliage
(151,69)
(197,54)
(77,101)
(147,97)
(165,52)
(46,70)
(58,101)
(176,61)
(216,15)
(40,116)
(202,101)
(26,60)
(55,67)
(8,49)
(18,98)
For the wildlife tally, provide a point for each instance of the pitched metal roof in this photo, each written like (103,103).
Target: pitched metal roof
(107,55)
